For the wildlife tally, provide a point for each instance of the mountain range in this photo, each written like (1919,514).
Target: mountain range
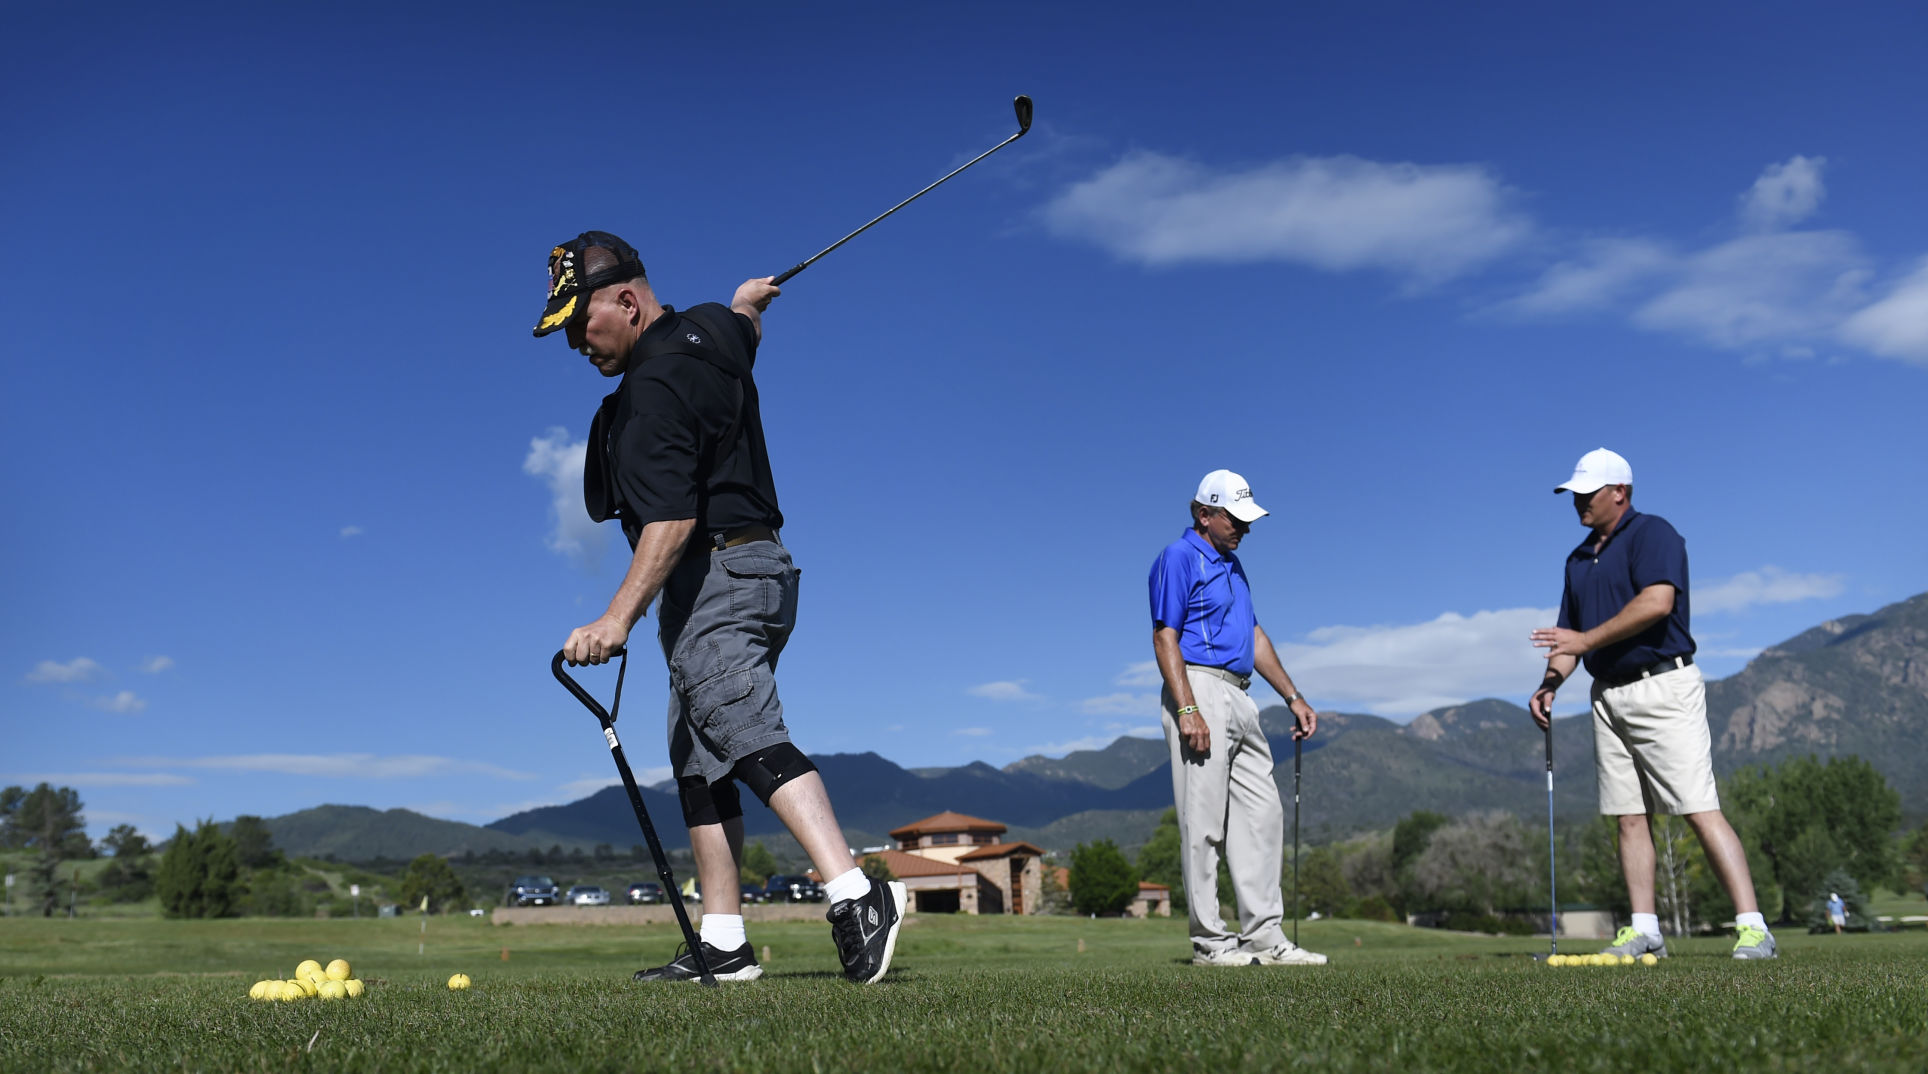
(1857,685)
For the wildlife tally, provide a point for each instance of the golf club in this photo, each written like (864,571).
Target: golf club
(1298,751)
(1552,889)
(608,719)
(1023,107)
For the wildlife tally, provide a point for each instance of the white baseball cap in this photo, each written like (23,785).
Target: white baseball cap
(1223,488)
(1596,470)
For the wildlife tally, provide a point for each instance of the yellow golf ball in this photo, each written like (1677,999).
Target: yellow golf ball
(306,984)
(307,967)
(354,987)
(291,991)
(459,982)
(1626,960)
(259,987)
(1649,959)
(338,970)
(332,990)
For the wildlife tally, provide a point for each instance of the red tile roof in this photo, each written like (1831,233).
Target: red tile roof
(1146,885)
(907,865)
(1001,850)
(947,821)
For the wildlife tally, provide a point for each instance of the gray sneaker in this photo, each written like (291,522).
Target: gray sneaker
(1231,956)
(1628,941)
(1753,943)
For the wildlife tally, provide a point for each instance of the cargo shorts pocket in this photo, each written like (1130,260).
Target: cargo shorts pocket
(756,584)
(716,708)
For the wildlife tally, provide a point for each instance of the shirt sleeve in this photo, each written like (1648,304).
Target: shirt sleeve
(660,449)
(1659,554)
(1565,622)
(1171,580)
(719,319)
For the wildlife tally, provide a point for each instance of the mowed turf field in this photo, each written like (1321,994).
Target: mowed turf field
(1056,995)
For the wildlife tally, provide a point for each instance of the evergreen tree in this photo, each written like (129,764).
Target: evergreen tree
(253,844)
(876,868)
(1159,861)
(1102,881)
(1322,884)
(199,874)
(1811,817)
(758,864)
(431,875)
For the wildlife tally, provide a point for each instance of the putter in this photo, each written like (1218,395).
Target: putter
(1297,752)
(608,719)
(1552,889)
(1023,108)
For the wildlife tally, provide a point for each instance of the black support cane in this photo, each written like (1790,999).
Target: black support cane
(608,719)
(1298,751)
(1552,887)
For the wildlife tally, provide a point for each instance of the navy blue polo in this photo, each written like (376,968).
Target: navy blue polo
(1643,550)
(1204,596)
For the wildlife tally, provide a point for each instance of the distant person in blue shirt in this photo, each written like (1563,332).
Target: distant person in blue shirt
(1624,609)
(1208,643)
(1837,911)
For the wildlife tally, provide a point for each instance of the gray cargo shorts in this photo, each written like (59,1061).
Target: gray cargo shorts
(724,618)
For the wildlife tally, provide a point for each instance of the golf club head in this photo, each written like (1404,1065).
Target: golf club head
(1023,107)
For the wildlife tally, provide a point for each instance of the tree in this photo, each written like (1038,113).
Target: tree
(47,820)
(1322,883)
(1102,881)
(1914,863)
(431,875)
(758,864)
(125,841)
(253,844)
(1159,861)
(1810,817)
(876,868)
(199,874)
(129,877)
(1480,863)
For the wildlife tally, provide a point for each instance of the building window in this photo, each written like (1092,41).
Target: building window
(984,840)
(944,839)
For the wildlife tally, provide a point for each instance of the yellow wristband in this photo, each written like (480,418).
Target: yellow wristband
(1188,710)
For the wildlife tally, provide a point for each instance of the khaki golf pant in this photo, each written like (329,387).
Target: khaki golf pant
(1228,805)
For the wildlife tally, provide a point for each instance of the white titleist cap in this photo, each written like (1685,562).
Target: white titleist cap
(1223,488)
(1596,470)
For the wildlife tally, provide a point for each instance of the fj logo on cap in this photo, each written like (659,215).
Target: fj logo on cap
(694,338)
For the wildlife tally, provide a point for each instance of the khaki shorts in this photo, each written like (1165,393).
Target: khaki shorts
(1652,750)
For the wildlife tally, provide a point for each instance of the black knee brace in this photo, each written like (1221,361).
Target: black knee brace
(708,803)
(771,767)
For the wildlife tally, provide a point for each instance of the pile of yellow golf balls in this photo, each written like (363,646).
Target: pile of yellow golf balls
(1558,961)
(311,981)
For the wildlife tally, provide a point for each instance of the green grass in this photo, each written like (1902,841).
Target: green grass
(966,994)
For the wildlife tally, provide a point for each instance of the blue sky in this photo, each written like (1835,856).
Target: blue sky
(282,526)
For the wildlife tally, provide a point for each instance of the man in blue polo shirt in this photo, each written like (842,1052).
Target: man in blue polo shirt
(1208,643)
(1624,610)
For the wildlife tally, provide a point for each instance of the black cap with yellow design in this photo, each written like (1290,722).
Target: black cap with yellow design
(572,279)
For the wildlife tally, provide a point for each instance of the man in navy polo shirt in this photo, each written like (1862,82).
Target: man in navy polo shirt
(1624,610)
(1208,643)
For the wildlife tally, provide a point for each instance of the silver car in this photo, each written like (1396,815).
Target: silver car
(586,895)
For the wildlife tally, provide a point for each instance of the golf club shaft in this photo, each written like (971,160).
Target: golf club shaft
(1023,106)
(1552,882)
(1298,751)
(608,720)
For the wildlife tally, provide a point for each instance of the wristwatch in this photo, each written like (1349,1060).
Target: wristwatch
(1295,696)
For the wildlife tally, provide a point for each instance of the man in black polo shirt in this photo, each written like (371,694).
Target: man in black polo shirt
(677,454)
(1624,610)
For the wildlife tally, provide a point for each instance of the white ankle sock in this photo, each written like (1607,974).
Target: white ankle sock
(1755,919)
(723,931)
(851,885)
(1644,924)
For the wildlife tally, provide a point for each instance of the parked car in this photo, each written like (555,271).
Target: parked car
(647,891)
(782,888)
(588,895)
(754,894)
(533,891)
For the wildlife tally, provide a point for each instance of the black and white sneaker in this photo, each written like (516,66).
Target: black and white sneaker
(866,930)
(737,965)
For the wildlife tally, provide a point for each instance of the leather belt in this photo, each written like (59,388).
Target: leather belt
(1233,677)
(1658,667)
(741,535)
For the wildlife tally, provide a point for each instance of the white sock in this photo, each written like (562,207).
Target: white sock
(1755,919)
(723,931)
(1644,924)
(851,885)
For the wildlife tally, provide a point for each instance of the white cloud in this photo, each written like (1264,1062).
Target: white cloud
(350,531)
(1787,287)
(1897,325)
(1769,585)
(1143,673)
(331,765)
(79,669)
(1424,222)
(1401,671)
(1120,704)
(1784,195)
(972,732)
(588,785)
(558,462)
(103,779)
(124,702)
(1604,274)
(1003,691)
(154,665)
